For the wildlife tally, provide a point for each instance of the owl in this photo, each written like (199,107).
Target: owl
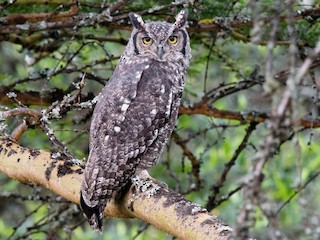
(136,111)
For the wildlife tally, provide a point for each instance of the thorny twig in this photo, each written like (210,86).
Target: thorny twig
(278,133)
(115,17)
(297,191)
(212,202)
(15,229)
(188,153)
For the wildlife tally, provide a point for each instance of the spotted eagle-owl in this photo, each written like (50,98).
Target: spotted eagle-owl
(136,112)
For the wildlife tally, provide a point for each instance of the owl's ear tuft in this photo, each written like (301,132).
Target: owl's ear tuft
(181,18)
(136,21)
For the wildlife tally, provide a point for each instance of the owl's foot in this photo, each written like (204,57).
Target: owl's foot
(148,186)
(144,175)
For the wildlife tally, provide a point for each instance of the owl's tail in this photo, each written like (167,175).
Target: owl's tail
(93,214)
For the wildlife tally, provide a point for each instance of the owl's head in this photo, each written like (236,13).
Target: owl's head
(162,41)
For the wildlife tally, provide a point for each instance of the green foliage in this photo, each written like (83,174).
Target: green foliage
(221,61)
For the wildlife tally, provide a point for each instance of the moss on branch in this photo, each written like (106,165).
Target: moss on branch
(159,206)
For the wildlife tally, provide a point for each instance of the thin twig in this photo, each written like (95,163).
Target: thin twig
(217,187)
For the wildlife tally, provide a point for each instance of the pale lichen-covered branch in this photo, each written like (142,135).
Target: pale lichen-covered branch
(147,200)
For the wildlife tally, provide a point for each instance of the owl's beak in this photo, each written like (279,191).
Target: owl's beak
(160,51)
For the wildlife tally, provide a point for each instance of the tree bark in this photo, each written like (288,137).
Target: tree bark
(146,199)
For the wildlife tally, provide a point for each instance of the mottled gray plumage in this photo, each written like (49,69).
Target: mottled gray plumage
(136,111)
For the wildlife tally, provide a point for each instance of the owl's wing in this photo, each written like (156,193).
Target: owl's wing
(130,115)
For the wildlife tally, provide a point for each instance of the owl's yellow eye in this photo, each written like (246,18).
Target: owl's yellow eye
(173,39)
(147,40)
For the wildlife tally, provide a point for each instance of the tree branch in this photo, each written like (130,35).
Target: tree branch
(147,200)
(253,116)
(20,18)
(73,17)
